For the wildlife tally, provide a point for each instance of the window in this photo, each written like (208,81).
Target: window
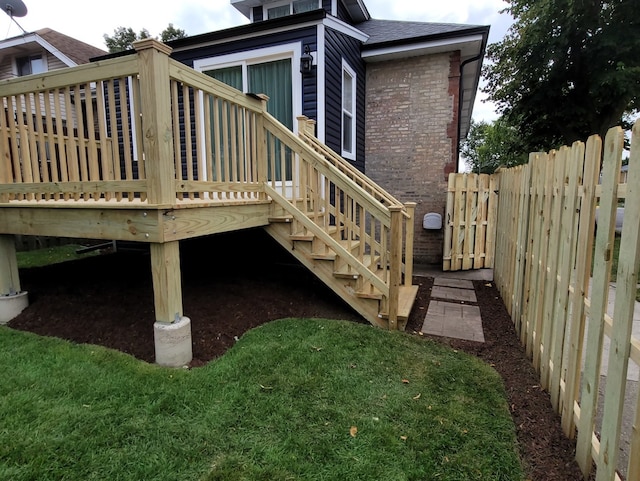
(267,71)
(348,112)
(297,6)
(300,6)
(30,65)
(277,12)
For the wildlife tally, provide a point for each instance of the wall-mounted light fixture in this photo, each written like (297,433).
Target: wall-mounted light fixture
(306,61)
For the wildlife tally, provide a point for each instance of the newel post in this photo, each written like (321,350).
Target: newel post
(395,268)
(306,126)
(157,132)
(408,243)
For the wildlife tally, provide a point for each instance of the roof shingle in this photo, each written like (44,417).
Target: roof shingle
(76,50)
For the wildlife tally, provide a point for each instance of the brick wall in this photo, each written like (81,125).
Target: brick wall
(411,136)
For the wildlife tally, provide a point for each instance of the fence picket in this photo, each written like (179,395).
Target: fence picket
(600,291)
(620,349)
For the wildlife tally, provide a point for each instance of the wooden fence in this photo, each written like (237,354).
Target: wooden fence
(470,222)
(553,269)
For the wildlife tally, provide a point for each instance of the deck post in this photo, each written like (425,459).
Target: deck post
(408,243)
(395,267)
(157,133)
(12,300)
(172,331)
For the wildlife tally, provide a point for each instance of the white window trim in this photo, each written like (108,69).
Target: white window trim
(349,155)
(292,51)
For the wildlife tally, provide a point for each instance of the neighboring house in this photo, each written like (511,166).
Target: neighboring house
(42,51)
(394,98)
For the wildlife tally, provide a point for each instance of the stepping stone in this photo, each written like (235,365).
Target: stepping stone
(459,283)
(454,294)
(458,321)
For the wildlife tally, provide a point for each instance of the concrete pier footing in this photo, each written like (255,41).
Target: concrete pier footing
(12,305)
(173,343)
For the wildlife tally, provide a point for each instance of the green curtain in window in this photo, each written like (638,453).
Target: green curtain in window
(274,80)
(232,76)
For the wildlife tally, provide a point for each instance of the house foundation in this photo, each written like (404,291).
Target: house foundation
(173,343)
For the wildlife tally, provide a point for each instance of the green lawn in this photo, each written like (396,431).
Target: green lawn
(51,255)
(293,400)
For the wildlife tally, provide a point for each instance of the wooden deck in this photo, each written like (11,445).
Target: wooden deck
(142,148)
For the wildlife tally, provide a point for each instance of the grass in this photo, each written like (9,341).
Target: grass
(293,399)
(50,255)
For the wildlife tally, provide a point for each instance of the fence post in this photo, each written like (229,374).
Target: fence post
(408,243)
(155,104)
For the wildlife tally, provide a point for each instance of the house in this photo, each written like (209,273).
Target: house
(393,98)
(42,51)
(139,146)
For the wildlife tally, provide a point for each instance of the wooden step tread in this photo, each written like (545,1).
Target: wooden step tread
(350,273)
(407,297)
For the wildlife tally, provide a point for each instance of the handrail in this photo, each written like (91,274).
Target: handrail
(363,270)
(337,161)
(273,125)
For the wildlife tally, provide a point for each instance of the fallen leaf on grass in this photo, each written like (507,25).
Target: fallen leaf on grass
(404,438)
(405,381)
(353,431)
(266,388)
(417,396)
(317,349)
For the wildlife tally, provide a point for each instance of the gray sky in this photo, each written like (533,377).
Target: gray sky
(90,20)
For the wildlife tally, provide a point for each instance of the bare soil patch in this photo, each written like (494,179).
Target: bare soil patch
(234,282)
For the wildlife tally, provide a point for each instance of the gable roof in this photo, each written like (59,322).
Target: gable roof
(68,50)
(76,50)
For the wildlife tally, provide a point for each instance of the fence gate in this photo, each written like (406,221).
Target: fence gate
(470,222)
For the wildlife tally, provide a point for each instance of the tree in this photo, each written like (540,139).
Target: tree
(566,69)
(492,145)
(172,33)
(123,38)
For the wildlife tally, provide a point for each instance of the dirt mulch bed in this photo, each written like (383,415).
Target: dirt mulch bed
(233,283)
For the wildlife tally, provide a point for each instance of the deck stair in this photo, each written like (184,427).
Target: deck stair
(354,236)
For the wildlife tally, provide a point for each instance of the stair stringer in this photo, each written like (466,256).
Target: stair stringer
(323,270)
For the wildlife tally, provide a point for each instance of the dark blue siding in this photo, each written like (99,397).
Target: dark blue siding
(305,36)
(339,46)
(343,14)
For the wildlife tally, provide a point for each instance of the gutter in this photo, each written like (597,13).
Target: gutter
(480,56)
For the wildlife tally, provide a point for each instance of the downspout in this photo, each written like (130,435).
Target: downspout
(462,65)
